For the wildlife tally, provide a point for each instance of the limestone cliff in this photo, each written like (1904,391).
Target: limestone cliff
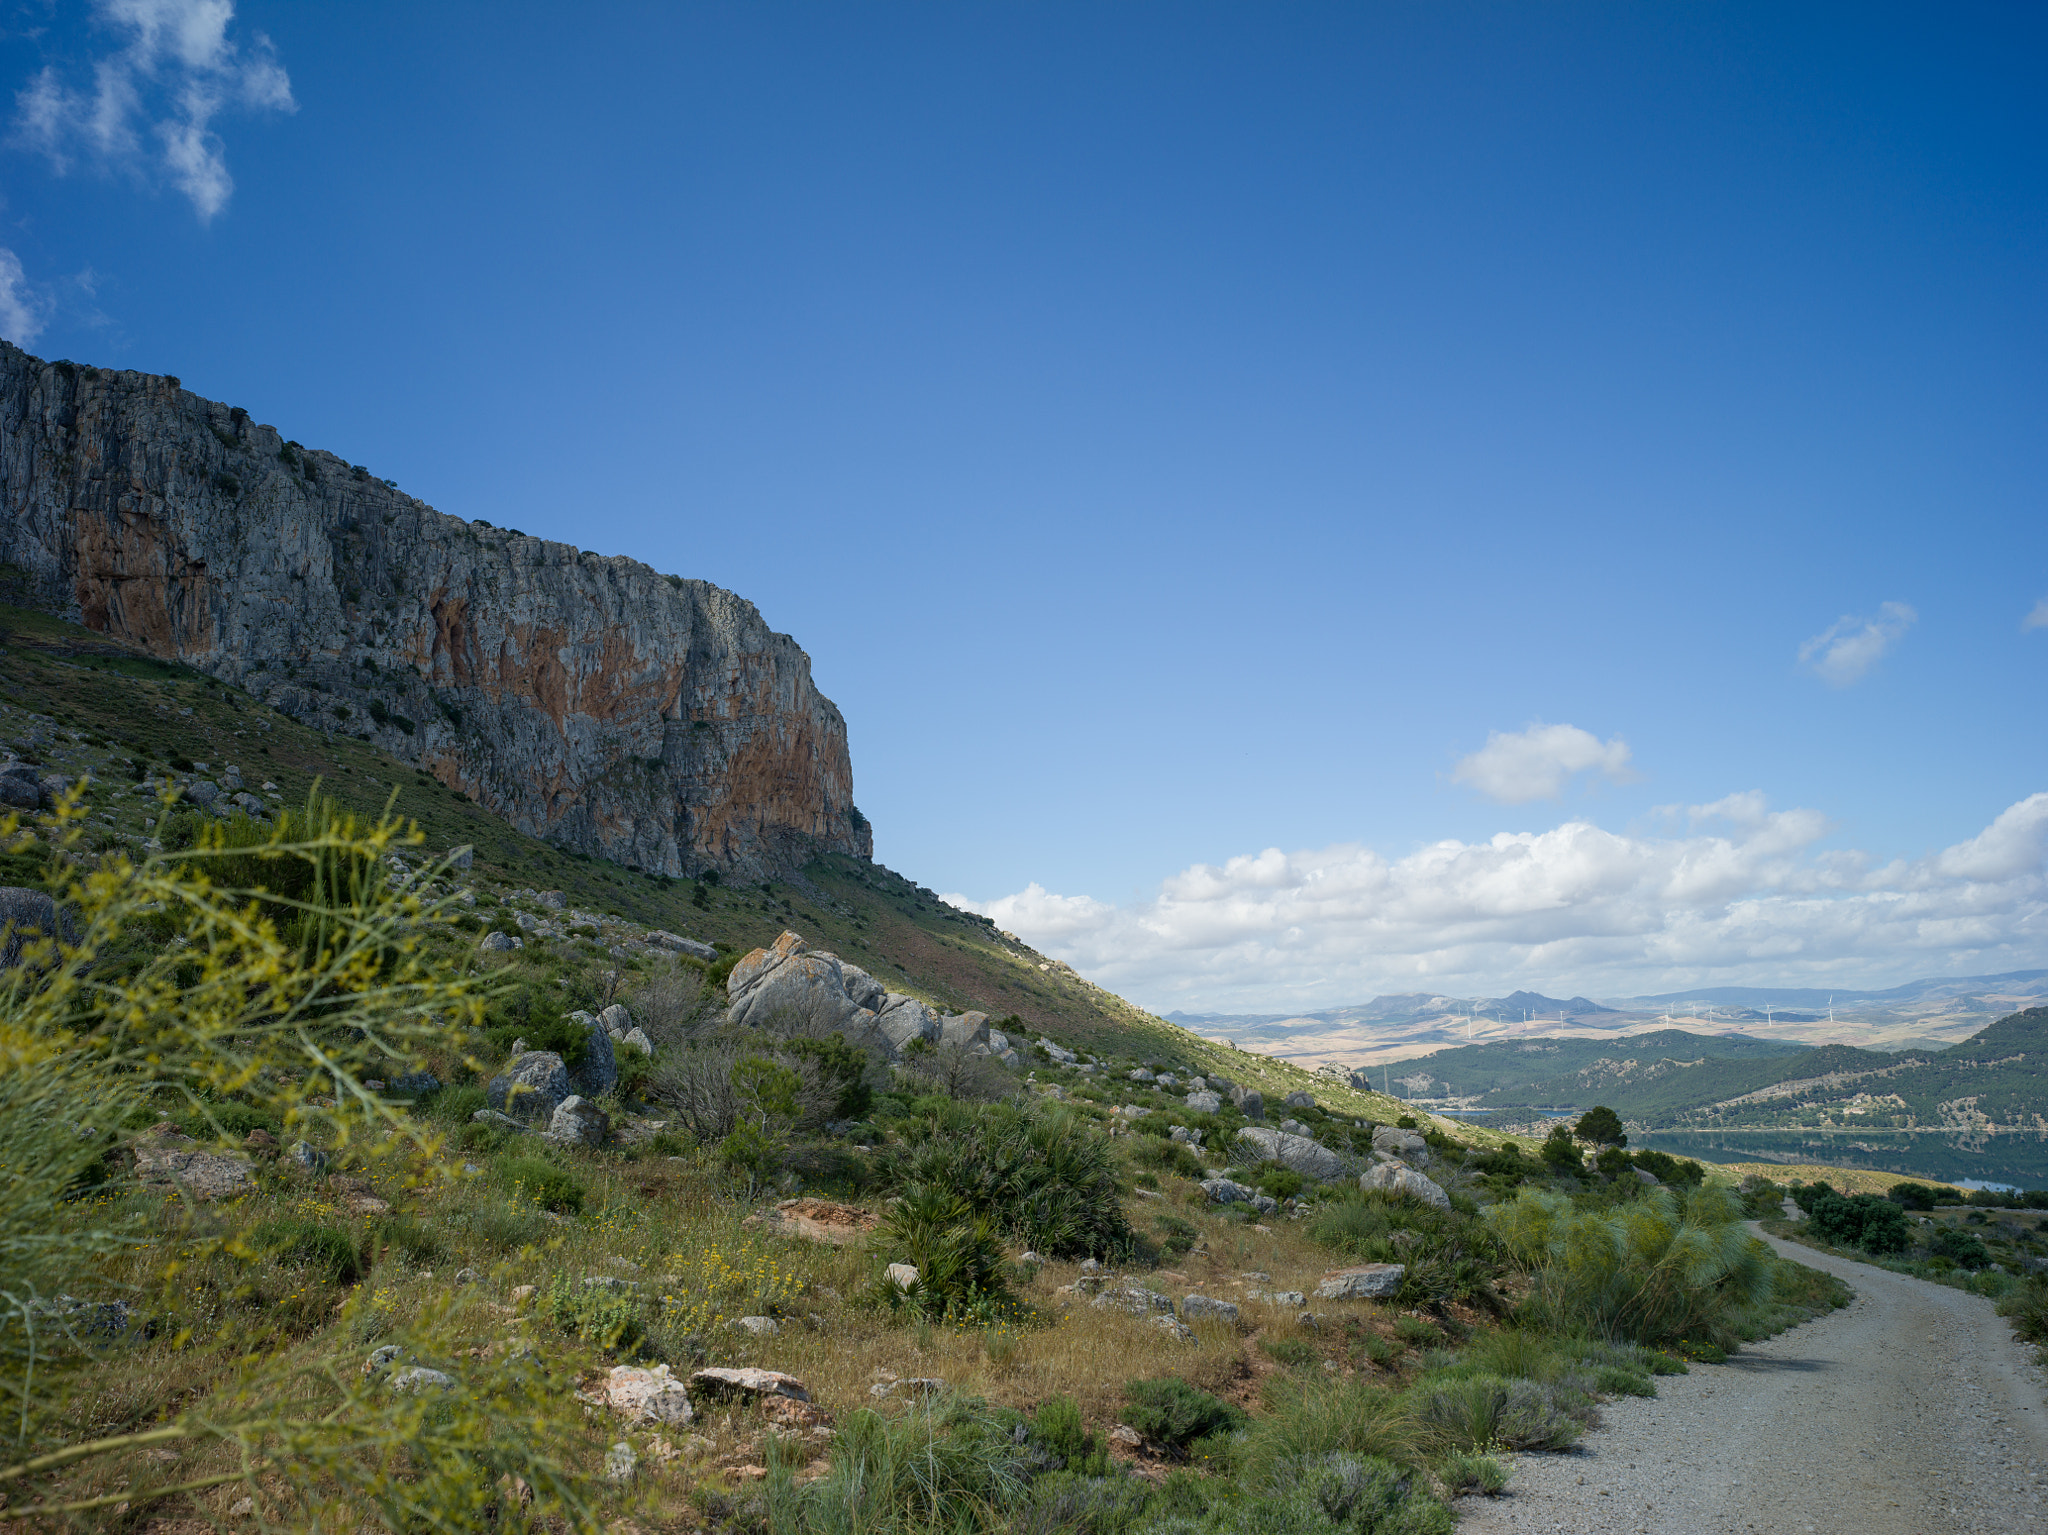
(588,699)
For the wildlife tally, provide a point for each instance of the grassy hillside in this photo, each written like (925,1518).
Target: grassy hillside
(80,704)
(1538,1073)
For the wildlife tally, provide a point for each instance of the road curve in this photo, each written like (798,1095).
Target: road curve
(1912,1411)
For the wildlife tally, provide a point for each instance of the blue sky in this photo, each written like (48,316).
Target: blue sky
(1178,432)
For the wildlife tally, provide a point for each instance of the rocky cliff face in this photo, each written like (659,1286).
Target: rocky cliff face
(590,700)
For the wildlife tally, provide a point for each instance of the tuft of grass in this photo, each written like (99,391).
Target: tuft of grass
(1469,1471)
(1484,1410)
(329,1251)
(541,1183)
(1170,1412)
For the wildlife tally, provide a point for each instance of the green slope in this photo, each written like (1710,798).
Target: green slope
(1543,1072)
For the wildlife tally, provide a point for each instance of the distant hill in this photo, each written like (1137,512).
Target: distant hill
(1631,1071)
(2024,983)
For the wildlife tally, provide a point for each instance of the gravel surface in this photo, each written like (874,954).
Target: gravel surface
(1912,1411)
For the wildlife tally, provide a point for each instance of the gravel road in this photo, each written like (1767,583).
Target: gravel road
(1912,1411)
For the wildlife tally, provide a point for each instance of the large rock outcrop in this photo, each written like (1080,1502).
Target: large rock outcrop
(792,988)
(586,698)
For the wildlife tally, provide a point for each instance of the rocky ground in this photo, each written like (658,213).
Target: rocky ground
(1914,1410)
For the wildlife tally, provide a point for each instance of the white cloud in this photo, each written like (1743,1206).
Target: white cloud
(1742,895)
(1538,762)
(175,72)
(23,311)
(2038,619)
(1844,651)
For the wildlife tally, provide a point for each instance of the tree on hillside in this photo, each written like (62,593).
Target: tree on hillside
(1561,1151)
(1602,1126)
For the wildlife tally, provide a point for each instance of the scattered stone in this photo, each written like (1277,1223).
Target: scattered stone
(1132,1298)
(417,1083)
(523,1293)
(756,1384)
(759,1326)
(310,1158)
(1299,1100)
(500,1121)
(1126,1436)
(675,943)
(242,1508)
(1064,1057)
(1142,1075)
(620,1463)
(1093,1266)
(1250,1102)
(495,942)
(1392,1141)
(1193,1306)
(417,1378)
(1644,1175)
(578,1122)
(1296,1152)
(1175,1329)
(1370,1281)
(465,1276)
(25,916)
(1290,1300)
(636,1039)
(1226,1191)
(901,1275)
(165,1157)
(1204,1102)
(1256,1276)
(1399,1178)
(616,1020)
(652,1395)
(917,1385)
(532,1087)
(1031,1260)
(553,900)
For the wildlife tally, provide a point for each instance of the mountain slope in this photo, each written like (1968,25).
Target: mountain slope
(78,702)
(588,699)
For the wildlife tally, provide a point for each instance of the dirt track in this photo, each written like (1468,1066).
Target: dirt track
(1914,1411)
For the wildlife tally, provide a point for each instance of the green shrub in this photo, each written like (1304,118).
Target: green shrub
(610,1318)
(1448,1255)
(1483,1410)
(1963,1248)
(1057,1429)
(945,1466)
(1173,1413)
(1601,1126)
(1468,1471)
(1308,1414)
(505,1227)
(1045,1177)
(1913,1196)
(453,1105)
(1860,1220)
(415,1239)
(541,1183)
(1561,1153)
(1176,1235)
(1167,1157)
(2027,1305)
(957,1253)
(1657,1269)
(328,1250)
(1279,1181)
(1068,1503)
(1364,1493)
(1292,1352)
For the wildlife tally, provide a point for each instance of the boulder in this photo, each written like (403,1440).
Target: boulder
(863,988)
(676,943)
(904,1020)
(616,1020)
(1648,1178)
(1296,1152)
(1369,1281)
(203,793)
(1185,1136)
(1400,1178)
(1064,1057)
(495,942)
(417,1083)
(756,1385)
(1194,1306)
(19,787)
(621,1464)
(1142,1075)
(1132,1298)
(1250,1102)
(636,1039)
(759,1326)
(964,1031)
(795,988)
(1175,1329)
(532,1087)
(250,805)
(759,963)
(578,1122)
(553,900)
(901,1275)
(1392,1141)
(25,917)
(653,1396)
(1204,1103)
(417,1378)
(499,1121)
(165,1157)
(1224,1191)
(1290,1300)
(1299,1100)
(598,1072)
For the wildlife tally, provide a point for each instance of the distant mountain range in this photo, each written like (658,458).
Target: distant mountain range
(2027,983)
(1401,1007)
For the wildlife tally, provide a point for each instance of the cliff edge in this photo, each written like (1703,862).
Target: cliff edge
(588,699)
